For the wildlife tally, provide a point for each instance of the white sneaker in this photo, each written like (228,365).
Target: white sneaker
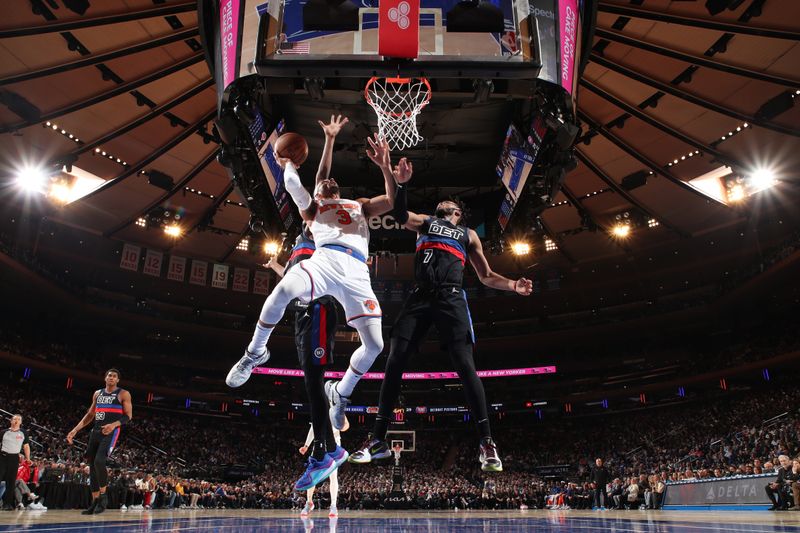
(123,507)
(240,372)
(338,404)
(334,512)
(307,508)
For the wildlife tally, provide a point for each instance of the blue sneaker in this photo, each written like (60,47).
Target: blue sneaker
(339,456)
(316,472)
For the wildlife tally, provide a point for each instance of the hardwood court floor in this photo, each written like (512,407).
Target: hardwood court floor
(185,521)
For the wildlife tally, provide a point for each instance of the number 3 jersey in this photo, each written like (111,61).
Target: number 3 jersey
(341,222)
(441,254)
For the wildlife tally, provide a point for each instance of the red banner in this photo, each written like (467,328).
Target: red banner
(261,282)
(152,263)
(199,272)
(177,268)
(130,257)
(398,28)
(241,279)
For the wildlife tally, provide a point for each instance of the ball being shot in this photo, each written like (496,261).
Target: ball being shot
(292,146)
(400,265)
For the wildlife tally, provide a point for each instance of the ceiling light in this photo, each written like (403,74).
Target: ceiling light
(521,248)
(173,230)
(549,245)
(736,193)
(621,231)
(761,179)
(141,222)
(31,179)
(271,248)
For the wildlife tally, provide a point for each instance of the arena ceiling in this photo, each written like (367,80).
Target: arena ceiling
(123,89)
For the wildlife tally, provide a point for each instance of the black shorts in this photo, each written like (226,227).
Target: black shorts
(314,331)
(446,307)
(101,444)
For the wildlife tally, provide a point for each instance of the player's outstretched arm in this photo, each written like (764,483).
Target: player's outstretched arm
(402,175)
(490,278)
(300,196)
(331,130)
(379,153)
(276,267)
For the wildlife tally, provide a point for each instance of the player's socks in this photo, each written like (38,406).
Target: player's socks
(260,337)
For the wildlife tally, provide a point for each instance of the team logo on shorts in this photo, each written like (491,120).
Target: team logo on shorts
(371,304)
(319,353)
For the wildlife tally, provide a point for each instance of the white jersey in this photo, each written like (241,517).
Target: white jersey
(341,222)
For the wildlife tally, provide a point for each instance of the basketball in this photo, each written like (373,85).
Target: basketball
(292,146)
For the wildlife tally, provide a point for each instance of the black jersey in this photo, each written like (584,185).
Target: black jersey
(107,407)
(303,249)
(441,254)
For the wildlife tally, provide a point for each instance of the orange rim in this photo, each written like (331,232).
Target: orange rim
(398,81)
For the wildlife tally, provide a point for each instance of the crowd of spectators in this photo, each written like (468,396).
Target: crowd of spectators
(166,459)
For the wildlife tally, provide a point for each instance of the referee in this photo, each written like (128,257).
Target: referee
(15,441)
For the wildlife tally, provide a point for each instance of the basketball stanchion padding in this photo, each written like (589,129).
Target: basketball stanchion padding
(292,146)
(397,102)
(398,28)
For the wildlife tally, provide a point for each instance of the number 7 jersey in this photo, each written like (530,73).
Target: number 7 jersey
(441,254)
(341,222)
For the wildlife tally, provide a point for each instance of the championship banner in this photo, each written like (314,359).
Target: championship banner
(241,279)
(177,268)
(261,282)
(199,272)
(219,277)
(130,257)
(152,263)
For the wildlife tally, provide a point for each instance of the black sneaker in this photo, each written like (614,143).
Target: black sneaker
(370,450)
(101,504)
(92,507)
(490,461)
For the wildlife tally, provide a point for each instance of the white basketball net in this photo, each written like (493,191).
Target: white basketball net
(397,102)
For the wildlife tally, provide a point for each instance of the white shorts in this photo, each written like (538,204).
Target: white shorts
(337,274)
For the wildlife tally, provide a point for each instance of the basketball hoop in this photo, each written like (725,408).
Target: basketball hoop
(397,102)
(396,450)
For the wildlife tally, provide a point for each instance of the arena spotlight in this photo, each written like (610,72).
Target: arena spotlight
(762,178)
(521,248)
(736,193)
(271,248)
(31,179)
(173,230)
(61,193)
(621,231)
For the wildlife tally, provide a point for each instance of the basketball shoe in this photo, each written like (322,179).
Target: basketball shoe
(309,506)
(240,372)
(338,404)
(490,461)
(316,472)
(370,449)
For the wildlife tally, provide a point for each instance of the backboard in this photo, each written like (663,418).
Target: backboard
(289,45)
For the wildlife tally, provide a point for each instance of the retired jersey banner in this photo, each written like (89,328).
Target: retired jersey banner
(261,282)
(199,272)
(152,263)
(177,268)
(219,277)
(130,257)
(241,279)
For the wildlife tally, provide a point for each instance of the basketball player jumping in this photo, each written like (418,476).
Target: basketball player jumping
(315,327)
(337,268)
(110,409)
(334,479)
(443,245)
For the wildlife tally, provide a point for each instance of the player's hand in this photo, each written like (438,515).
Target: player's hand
(333,128)
(403,171)
(523,286)
(303,450)
(380,153)
(282,161)
(71,436)
(270,263)
(108,428)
